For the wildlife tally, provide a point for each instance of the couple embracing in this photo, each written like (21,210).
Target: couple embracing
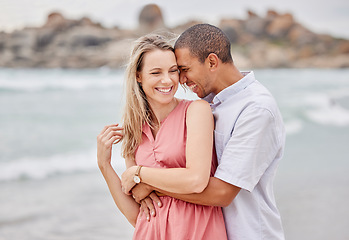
(199,169)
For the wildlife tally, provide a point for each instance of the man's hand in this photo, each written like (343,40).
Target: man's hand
(147,205)
(141,191)
(144,194)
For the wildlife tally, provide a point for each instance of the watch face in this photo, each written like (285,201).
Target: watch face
(136,179)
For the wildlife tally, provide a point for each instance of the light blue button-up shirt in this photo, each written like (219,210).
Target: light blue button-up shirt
(249,140)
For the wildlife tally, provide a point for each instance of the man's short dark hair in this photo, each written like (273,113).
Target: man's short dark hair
(203,39)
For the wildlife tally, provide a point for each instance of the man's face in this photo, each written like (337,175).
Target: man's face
(193,73)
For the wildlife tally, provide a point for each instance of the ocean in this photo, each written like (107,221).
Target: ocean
(51,188)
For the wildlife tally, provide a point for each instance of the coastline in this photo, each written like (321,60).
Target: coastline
(275,40)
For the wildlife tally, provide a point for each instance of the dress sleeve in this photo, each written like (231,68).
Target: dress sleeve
(252,147)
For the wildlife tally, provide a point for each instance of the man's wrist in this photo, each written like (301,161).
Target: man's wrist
(159,194)
(146,187)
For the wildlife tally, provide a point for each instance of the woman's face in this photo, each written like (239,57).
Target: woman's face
(159,76)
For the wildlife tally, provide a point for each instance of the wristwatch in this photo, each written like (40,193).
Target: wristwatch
(137,177)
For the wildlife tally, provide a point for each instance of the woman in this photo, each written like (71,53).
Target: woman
(167,143)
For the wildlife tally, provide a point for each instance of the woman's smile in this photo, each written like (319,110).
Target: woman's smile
(164,90)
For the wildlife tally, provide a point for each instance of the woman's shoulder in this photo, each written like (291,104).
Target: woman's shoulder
(199,106)
(194,107)
(193,102)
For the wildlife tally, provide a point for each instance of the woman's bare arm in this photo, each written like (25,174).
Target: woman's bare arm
(195,176)
(105,140)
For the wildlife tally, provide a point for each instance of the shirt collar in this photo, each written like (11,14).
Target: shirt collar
(232,89)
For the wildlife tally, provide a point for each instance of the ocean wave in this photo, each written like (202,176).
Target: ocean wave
(339,93)
(334,115)
(53,85)
(41,168)
(293,126)
(323,108)
(319,100)
(32,81)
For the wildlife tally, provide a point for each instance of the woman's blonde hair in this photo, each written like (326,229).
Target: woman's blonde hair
(137,110)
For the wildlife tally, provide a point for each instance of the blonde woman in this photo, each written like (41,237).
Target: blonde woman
(167,143)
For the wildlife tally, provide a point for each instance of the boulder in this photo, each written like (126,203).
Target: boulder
(182,27)
(255,25)
(44,37)
(300,35)
(88,36)
(271,14)
(150,18)
(232,28)
(57,21)
(343,47)
(280,25)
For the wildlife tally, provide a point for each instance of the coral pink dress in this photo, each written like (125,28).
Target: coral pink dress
(176,219)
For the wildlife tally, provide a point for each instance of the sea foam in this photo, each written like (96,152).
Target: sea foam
(30,81)
(293,126)
(324,109)
(334,115)
(41,168)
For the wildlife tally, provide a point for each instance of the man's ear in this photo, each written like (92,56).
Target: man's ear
(212,61)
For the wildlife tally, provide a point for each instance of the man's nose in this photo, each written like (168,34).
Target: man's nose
(182,78)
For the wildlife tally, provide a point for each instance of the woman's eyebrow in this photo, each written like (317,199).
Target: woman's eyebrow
(155,68)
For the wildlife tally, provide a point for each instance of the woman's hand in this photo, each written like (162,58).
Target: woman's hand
(110,135)
(127,179)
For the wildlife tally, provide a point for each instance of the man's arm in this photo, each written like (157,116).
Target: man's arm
(217,193)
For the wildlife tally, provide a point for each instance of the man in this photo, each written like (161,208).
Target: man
(249,135)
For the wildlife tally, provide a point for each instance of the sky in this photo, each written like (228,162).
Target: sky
(320,16)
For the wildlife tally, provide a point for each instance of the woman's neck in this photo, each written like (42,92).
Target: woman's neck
(161,111)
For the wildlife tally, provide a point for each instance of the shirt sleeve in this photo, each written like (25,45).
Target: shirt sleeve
(250,150)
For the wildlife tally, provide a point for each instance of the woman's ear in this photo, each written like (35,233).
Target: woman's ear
(212,61)
(138,77)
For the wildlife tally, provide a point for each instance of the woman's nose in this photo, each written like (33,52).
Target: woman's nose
(166,78)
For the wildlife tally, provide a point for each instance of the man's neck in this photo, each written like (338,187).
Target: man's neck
(228,75)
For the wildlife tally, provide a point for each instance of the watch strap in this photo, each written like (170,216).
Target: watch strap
(138,171)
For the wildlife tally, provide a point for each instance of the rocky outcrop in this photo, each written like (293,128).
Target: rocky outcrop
(65,43)
(150,19)
(273,40)
(277,40)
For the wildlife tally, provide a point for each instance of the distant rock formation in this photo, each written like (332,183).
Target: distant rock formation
(273,41)
(65,43)
(150,19)
(277,40)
